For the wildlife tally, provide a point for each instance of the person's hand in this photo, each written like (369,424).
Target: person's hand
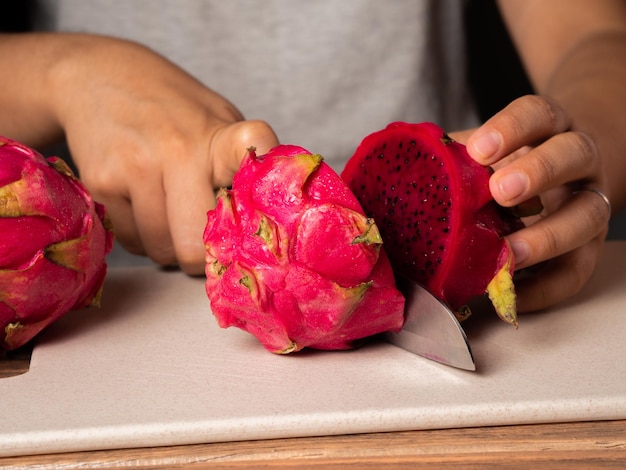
(151,143)
(535,150)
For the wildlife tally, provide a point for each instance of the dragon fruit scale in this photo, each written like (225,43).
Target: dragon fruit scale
(53,243)
(292,259)
(438,220)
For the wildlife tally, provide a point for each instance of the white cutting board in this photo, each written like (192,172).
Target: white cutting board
(152,368)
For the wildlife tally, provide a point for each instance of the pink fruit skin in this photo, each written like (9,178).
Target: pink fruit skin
(53,246)
(282,261)
(434,209)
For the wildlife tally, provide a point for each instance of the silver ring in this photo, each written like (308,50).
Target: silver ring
(601,194)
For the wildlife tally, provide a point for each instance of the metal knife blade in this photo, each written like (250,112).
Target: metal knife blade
(431,330)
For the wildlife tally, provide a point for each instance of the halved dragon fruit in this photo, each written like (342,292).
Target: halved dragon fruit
(438,220)
(53,243)
(292,259)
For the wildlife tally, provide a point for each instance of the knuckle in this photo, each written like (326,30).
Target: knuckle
(550,242)
(544,113)
(544,167)
(102,181)
(179,146)
(547,113)
(586,148)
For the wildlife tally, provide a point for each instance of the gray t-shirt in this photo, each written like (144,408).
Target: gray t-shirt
(323,73)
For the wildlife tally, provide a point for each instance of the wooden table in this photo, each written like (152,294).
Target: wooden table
(597,444)
(554,446)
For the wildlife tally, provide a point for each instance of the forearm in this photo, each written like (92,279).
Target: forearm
(573,52)
(590,83)
(26,87)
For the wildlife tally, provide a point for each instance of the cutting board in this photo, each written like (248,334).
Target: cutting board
(151,368)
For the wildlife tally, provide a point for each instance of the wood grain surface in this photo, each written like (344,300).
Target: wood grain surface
(588,445)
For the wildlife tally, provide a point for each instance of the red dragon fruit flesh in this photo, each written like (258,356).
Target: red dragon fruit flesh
(292,259)
(438,220)
(53,243)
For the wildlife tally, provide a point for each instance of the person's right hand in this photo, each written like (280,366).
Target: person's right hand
(151,143)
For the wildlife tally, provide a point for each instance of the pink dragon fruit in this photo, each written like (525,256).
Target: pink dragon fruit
(292,259)
(438,220)
(53,244)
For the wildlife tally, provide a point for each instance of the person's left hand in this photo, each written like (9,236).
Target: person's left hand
(535,149)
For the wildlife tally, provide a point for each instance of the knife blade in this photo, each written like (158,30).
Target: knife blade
(431,329)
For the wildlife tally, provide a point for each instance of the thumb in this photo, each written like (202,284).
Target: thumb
(231,144)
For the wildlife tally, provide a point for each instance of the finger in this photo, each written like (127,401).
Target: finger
(150,216)
(110,190)
(558,279)
(190,189)
(525,121)
(582,218)
(564,158)
(120,213)
(233,141)
(190,195)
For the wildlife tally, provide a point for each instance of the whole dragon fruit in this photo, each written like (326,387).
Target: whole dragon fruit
(438,220)
(53,243)
(292,259)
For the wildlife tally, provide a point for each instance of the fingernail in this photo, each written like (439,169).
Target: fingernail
(486,145)
(521,251)
(513,185)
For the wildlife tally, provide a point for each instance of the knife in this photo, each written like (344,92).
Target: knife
(431,329)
